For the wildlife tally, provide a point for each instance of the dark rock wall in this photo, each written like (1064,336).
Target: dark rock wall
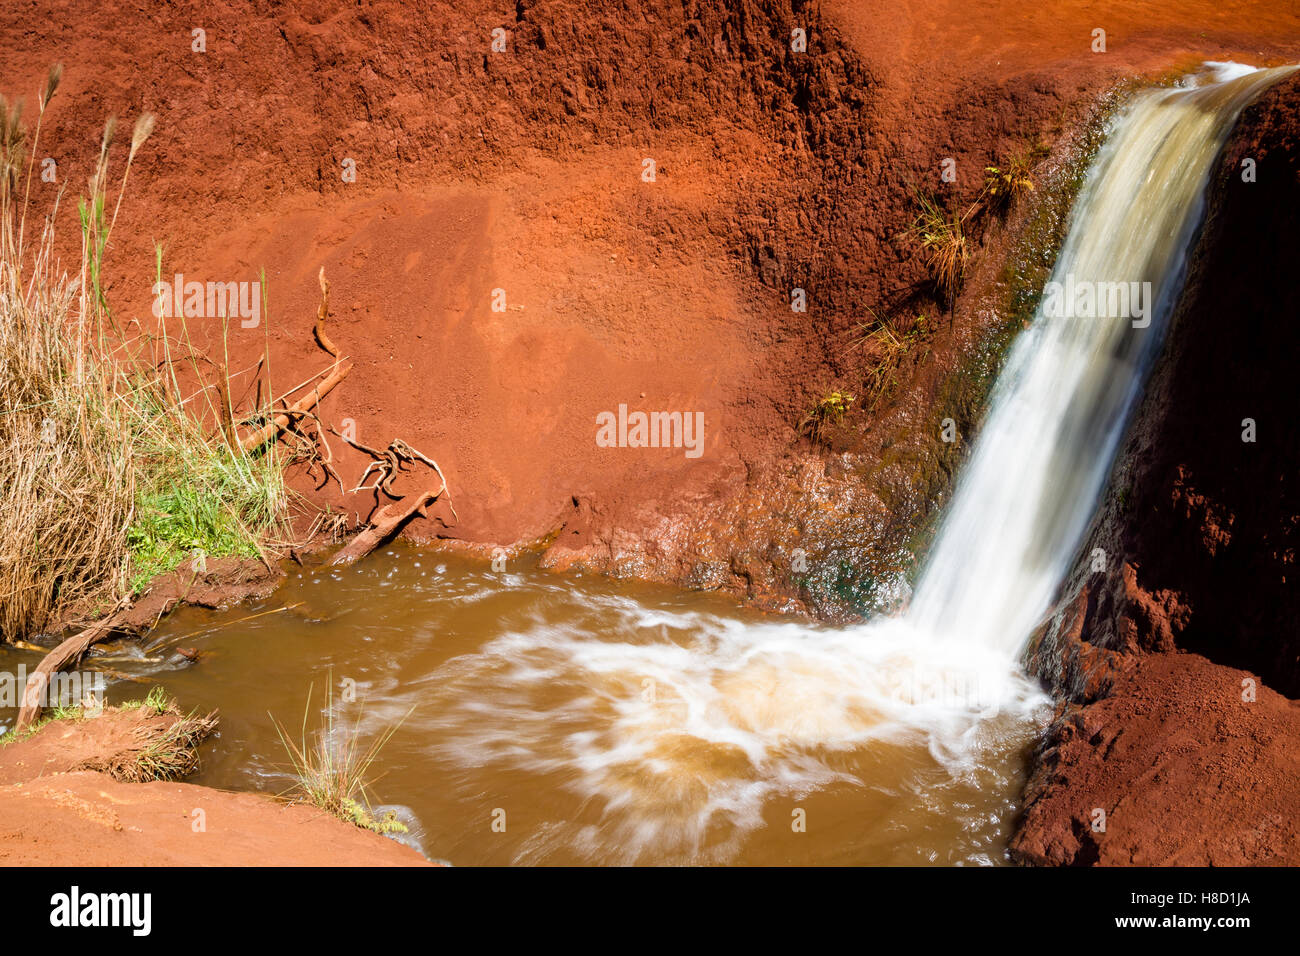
(1200,528)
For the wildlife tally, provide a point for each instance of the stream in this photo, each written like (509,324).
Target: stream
(559,719)
(544,719)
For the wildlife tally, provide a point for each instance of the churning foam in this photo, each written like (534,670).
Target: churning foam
(680,720)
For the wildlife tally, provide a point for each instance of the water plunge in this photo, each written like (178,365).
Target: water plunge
(1060,404)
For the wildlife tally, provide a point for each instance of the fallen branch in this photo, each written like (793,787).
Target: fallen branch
(271,429)
(63,656)
(385,522)
(204,631)
(300,386)
(403,450)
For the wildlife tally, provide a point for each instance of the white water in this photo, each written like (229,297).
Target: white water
(1030,487)
(680,721)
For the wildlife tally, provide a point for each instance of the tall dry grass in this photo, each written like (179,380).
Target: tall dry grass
(108,474)
(66,477)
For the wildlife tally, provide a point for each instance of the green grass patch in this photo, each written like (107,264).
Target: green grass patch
(202,499)
(49,716)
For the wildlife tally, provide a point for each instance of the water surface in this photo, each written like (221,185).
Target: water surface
(603,722)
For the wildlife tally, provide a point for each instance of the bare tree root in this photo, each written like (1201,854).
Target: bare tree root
(339,371)
(388,520)
(312,448)
(321,315)
(389,463)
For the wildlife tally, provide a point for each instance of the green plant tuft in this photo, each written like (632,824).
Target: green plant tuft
(826,413)
(332,774)
(943,236)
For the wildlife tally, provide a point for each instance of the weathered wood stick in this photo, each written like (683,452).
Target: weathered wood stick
(322,314)
(279,423)
(385,522)
(271,429)
(66,654)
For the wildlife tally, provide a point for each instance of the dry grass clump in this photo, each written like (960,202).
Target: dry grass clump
(162,743)
(107,473)
(828,412)
(169,753)
(1003,186)
(66,479)
(943,236)
(886,347)
(66,476)
(1005,183)
(333,770)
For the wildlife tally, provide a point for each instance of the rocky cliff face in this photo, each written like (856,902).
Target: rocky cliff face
(1177,646)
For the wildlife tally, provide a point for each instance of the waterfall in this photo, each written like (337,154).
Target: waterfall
(1058,410)
(682,725)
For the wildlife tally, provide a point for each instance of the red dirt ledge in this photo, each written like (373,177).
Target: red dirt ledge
(84,818)
(89,819)
(1187,772)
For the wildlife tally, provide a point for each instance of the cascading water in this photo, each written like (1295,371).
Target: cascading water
(1059,406)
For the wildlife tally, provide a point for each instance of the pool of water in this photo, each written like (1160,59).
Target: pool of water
(545,719)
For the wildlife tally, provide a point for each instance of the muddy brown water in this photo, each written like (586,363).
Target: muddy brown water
(558,720)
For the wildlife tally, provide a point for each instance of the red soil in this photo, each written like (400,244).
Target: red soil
(88,819)
(521,171)
(56,812)
(1186,771)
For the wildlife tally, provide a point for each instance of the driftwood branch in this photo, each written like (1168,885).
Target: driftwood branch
(63,656)
(322,314)
(339,371)
(385,523)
